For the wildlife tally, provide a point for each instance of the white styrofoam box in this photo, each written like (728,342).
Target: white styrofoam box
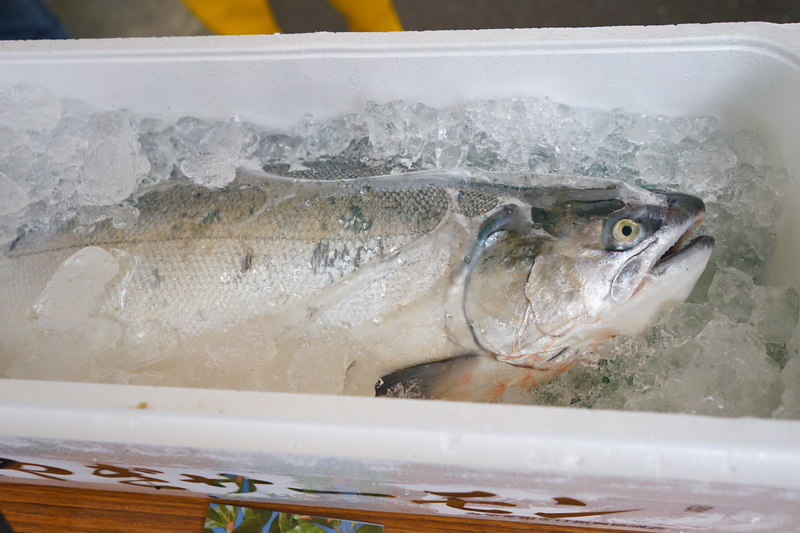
(676,472)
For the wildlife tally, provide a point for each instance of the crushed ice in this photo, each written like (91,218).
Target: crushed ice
(725,352)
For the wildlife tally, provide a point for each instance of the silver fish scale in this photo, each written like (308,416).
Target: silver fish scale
(477,201)
(198,258)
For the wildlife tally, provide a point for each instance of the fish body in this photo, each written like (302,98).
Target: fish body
(336,284)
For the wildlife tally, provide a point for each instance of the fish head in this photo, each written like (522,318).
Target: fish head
(565,270)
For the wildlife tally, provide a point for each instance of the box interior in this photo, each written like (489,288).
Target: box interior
(745,75)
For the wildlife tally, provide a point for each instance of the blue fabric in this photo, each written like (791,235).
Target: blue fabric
(28,19)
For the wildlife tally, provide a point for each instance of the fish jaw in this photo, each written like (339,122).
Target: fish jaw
(673,278)
(669,283)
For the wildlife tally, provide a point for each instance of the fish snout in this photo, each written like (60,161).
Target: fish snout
(683,205)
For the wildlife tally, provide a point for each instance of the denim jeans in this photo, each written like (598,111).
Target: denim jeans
(28,19)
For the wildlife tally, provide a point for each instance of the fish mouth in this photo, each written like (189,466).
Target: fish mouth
(682,246)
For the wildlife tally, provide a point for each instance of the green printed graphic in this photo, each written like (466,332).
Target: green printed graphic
(237,519)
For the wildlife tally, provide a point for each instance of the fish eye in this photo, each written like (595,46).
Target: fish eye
(626,231)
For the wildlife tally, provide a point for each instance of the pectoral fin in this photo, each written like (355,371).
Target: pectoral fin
(466,378)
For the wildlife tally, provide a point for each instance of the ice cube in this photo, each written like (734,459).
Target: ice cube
(113,164)
(751,148)
(60,165)
(28,107)
(191,130)
(705,171)
(697,129)
(152,125)
(78,109)
(542,159)
(656,378)
(386,126)
(685,321)
(778,352)
(13,198)
(71,354)
(724,371)
(738,244)
(555,393)
(756,198)
(749,250)
(330,138)
(17,162)
(71,294)
(605,383)
(213,163)
(731,294)
(778,179)
(647,129)
(748,380)
(790,400)
(69,141)
(281,149)
(162,147)
(775,313)
(657,164)
(251,143)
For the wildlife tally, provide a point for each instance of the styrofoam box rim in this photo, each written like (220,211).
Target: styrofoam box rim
(778,42)
(509,438)
(495,437)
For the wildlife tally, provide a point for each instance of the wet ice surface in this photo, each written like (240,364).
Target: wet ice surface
(722,353)
(726,356)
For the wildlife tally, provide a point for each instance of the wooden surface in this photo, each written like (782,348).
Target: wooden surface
(32,507)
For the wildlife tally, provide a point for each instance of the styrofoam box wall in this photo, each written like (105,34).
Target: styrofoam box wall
(680,472)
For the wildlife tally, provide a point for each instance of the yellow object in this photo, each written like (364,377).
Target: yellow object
(235,17)
(243,17)
(369,15)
